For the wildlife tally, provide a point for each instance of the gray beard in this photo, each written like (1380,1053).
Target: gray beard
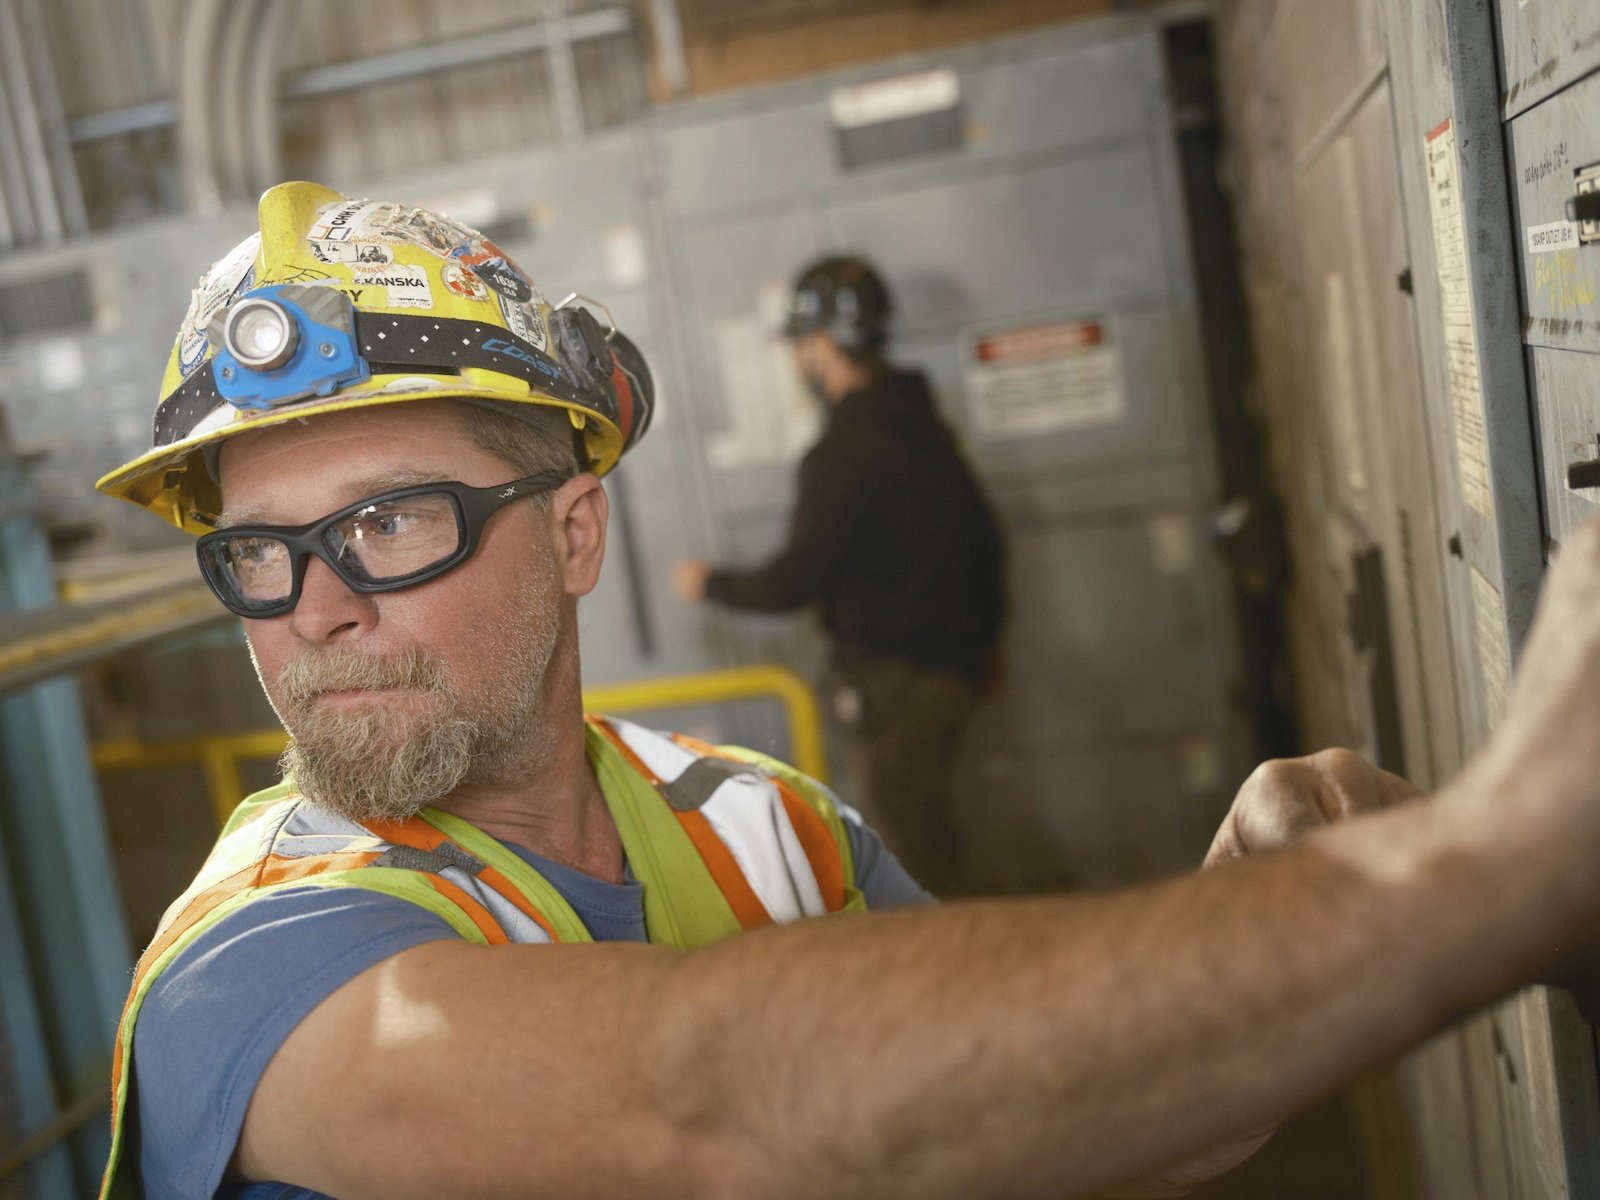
(387,763)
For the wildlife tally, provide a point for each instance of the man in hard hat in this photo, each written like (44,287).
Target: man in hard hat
(477,945)
(893,539)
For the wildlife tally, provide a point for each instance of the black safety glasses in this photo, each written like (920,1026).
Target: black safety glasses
(381,544)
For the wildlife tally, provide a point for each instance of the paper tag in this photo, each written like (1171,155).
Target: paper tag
(1557,235)
(1460,336)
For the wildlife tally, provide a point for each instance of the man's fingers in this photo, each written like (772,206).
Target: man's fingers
(1286,798)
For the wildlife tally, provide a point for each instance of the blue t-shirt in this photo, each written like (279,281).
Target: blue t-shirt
(215,1017)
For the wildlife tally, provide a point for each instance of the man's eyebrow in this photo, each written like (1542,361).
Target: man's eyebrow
(239,516)
(390,481)
(371,485)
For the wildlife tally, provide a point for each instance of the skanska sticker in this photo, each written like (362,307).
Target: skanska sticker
(407,286)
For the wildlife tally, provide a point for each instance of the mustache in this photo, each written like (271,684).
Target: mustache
(308,676)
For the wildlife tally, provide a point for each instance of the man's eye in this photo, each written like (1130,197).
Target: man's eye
(254,552)
(393,524)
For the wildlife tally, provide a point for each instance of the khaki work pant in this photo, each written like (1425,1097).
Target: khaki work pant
(907,722)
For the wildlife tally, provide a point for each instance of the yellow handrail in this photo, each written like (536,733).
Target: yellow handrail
(219,754)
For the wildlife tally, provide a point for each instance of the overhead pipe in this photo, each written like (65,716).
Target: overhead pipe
(229,97)
(16,215)
(262,133)
(563,70)
(35,161)
(375,70)
(666,29)
(53,119)
(197,168)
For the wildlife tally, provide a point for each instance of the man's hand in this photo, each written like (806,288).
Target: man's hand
(689,580)
(1286,798)
(1283,800)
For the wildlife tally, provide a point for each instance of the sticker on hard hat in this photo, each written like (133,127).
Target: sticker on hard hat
(352,251)
(525,321)
(407,286)
(463,282)
(492,265)
(227,279)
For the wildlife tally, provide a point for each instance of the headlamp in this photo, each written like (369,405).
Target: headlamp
(260,334)
(284,343)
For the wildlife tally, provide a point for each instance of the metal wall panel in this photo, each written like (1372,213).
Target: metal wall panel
(1569,432)
(1060,205)
(1560,276)
(1052,98)
(1348,39)
(1545,45)
(1401,178)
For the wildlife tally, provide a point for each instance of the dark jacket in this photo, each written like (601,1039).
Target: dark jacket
(891,535)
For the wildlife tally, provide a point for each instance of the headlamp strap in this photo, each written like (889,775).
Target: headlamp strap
(393,344)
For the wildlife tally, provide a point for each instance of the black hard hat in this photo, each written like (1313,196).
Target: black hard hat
(843,297)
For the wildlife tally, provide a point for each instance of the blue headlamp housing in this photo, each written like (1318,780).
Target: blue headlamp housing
(285,342)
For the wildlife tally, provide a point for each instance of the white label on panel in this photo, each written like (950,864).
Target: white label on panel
(1201,763)
(1339,373)
(1172,546)
(894,99)
(1489,632)
(1036,379)
(61,365)
(772,418)
(1558,235)
(624,254)
(1460,337)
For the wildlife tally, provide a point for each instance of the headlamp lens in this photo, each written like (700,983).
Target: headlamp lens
(260,334)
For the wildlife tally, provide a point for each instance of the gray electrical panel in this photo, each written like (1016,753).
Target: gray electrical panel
(1042,278)
(1429,410)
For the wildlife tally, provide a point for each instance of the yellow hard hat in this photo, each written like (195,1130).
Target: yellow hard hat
(340,303)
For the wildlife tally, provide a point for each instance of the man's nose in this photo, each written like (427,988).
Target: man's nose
(328,611)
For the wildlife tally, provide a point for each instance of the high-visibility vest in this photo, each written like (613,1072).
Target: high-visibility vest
(723,839)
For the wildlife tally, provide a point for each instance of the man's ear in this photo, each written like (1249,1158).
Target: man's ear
(579,512)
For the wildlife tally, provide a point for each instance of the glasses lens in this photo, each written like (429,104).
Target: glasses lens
(253,571)
(394,539)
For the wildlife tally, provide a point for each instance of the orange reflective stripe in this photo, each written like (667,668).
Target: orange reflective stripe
(481,916)
(816,839)
(419,835)
(622,747)
(725,871)
(689,742)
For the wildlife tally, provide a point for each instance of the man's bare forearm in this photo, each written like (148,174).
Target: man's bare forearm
(999,1048)
(1081,1042)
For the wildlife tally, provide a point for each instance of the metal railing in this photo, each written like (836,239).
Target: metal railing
(219,755)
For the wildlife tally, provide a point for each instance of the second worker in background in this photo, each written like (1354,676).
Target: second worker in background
(893,539)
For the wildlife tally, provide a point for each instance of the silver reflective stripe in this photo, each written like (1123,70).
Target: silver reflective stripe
(746,812)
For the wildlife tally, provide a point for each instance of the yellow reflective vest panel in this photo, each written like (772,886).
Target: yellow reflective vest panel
(723,839)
